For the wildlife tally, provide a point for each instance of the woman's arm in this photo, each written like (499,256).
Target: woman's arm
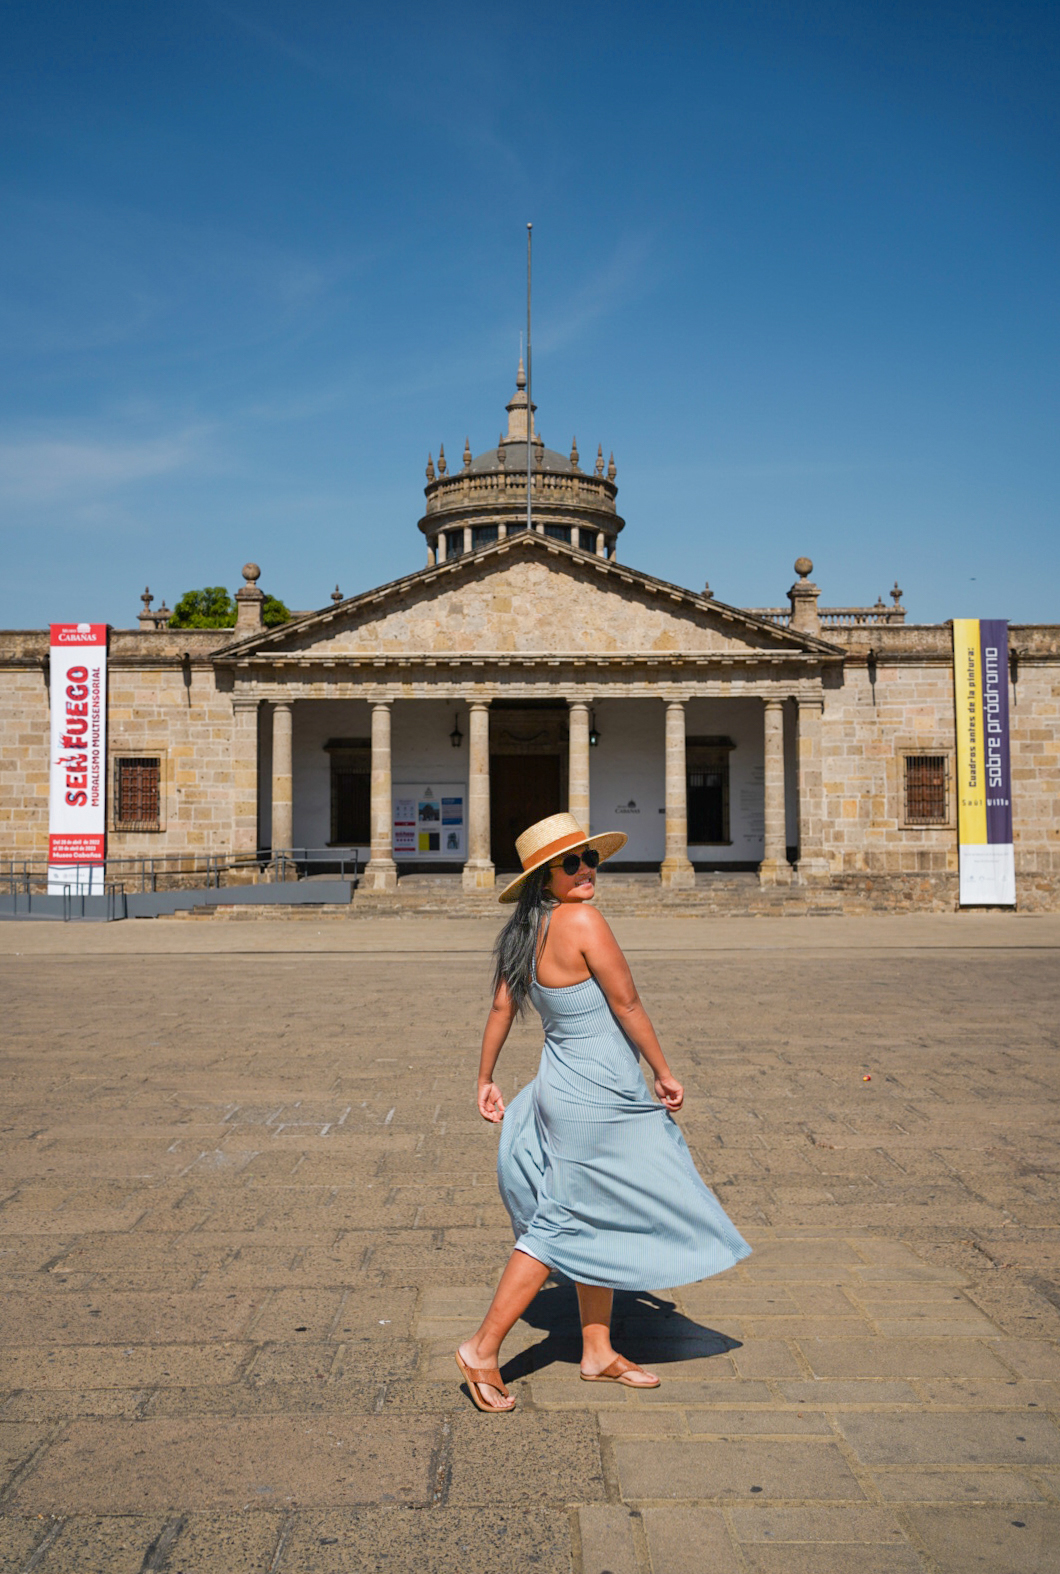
(604,959)
(498,1026)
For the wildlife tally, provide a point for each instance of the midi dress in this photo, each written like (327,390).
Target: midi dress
(596,1176)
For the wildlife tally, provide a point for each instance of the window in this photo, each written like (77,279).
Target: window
(558,532)
(351,791)
(482,535)
(137,793)
(587,540)
(454,543)
(926,789)
(707,783)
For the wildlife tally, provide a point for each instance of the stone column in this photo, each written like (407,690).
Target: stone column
(813,862)
(478,870)
(774,868)
(442,549)
(601,544)
(467,538)
(244,796)
(676,870)
(380,873)
(282,770)
(578,764)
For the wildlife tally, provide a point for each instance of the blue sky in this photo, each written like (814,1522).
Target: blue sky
(795,264)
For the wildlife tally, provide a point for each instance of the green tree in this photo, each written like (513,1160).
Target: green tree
(214,608)
(274,612)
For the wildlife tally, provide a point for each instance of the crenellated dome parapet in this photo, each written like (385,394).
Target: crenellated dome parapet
(486,499)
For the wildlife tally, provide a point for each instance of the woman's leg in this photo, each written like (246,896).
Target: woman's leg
(594,1304)
(520,1282)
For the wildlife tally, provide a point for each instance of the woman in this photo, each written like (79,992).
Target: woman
(596,1176)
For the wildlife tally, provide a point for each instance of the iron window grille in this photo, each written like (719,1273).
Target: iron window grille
(137,793)
(927,789)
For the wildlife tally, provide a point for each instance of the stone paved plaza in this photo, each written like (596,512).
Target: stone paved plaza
(248,1209)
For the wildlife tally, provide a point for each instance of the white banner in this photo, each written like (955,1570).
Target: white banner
(77,808)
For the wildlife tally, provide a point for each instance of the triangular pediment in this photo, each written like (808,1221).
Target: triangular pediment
(524,597)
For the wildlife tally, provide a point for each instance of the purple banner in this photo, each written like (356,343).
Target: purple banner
(993,638)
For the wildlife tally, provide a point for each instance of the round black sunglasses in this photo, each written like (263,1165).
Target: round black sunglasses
(589,856)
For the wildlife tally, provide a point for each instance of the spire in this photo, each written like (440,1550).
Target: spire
(574,452)
(599,467)
(612,468)
(442,466)
(467,453)
(430,467)
(517,411)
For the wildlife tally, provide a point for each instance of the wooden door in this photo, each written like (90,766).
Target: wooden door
(523,788)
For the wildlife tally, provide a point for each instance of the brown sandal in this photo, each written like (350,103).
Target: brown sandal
(618,1372)
(480,1374)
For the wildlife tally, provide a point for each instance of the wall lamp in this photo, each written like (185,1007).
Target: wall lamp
(594,736)
(456,737)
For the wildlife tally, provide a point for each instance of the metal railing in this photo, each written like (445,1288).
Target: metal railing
(179,871)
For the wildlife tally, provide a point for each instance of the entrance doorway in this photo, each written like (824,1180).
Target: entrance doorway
(524,788)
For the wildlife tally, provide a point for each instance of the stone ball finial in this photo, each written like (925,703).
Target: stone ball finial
(467,453)
(442,464)
(574,456)
(251,573)
(708,594)
(599,467)
(430,467)
(803,567)
(612,468)
(336,595)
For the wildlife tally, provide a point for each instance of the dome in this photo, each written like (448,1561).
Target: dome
(486,498)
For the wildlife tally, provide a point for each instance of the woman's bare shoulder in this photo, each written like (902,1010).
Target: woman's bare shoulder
(582,921)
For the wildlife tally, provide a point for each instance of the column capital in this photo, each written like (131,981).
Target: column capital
(282,704)
(245,702)
(476,702)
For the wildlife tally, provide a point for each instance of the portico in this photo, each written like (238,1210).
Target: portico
(632,703)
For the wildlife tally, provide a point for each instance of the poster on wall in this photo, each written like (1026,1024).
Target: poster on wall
(984,787)
(78,770)
(429,821)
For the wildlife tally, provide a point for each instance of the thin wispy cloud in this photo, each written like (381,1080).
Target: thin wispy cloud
(40,470)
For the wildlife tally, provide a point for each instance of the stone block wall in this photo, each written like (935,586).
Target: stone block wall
(869,726)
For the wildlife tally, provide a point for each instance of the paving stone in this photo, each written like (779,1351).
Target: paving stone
(19,1536)
(104,1544)
(956,1486)
(688,1541)
(243,1543)
(545,1458)
(861,1358)
(963,1439)
(606,1540)
(122,1366)
(18,1439)
(831,1560)
(848,1523)
(972,1540)
(434,1541)
(833,1395)
(173,1190)
(207,1463)
(735,1468)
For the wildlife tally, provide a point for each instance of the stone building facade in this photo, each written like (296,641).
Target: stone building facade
(424,723)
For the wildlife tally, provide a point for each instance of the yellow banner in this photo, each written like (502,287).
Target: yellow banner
(971,772)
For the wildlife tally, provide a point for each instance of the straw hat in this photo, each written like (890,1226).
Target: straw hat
(546,840)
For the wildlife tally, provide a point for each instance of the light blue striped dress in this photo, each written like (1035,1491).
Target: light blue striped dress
(596,1175)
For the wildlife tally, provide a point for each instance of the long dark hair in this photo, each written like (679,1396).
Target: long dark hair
(513,954)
